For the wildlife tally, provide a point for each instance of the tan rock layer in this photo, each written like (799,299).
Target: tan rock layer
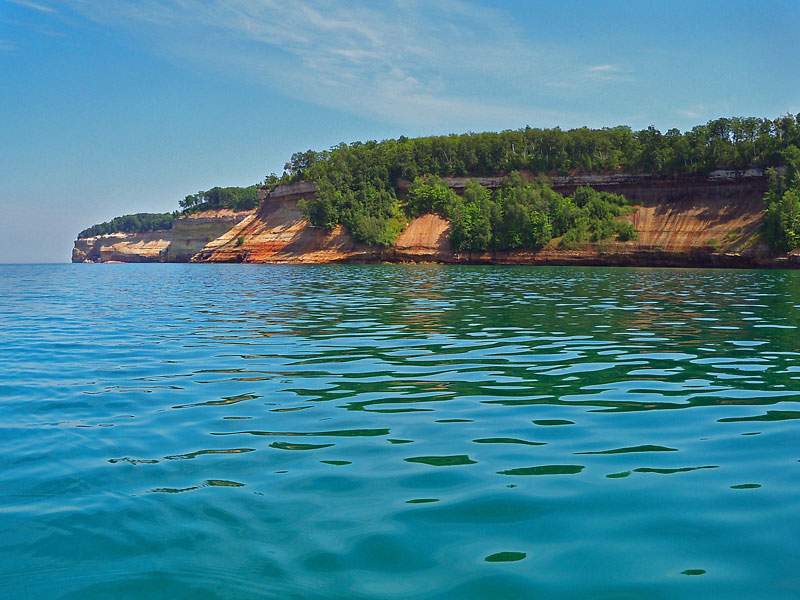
(707,221)
(680,221)
(188,236)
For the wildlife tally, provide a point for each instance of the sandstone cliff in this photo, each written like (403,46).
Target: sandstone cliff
(688,221)
(189,234)
(278,233)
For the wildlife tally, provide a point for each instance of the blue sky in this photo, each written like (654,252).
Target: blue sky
(118,106)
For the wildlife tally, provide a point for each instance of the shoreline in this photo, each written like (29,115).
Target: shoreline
(700,222)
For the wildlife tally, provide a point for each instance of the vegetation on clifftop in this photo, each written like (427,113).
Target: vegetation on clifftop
(138,223)
(233,198)
(357,184)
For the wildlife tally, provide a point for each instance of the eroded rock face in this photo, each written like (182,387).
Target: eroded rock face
(123,247)
(680,221)
(683,221)
(188,235)
(278,233)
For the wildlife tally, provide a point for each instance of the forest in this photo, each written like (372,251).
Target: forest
(138,223)
(357,184)
(520,214)
(233,198)
(782,201)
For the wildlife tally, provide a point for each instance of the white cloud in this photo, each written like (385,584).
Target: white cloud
(406,61)
(604,69)
(33,5)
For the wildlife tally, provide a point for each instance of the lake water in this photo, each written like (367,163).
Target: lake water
(398,431)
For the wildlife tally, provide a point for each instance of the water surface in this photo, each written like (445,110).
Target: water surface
(392,431)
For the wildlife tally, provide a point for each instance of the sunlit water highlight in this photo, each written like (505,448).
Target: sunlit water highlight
(390,431)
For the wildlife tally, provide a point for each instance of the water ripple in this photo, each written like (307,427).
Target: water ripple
(398,431)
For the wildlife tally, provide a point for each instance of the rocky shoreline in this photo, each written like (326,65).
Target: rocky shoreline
(710,221)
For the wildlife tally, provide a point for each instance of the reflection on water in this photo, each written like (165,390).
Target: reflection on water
(456,432)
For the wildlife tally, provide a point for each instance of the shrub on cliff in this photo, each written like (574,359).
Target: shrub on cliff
(520,214)
(429,194)
(781,226)
(371,214)
(471,217)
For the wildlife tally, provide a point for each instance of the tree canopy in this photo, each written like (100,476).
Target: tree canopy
(357,185)
(138,223)
(234,198)
(782,202)
(520,214)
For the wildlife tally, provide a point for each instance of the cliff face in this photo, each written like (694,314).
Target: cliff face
(278,233)
(687,221)
(691,221)
(122,247)
(188,236)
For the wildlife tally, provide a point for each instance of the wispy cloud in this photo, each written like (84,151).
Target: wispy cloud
(573,80)
(607,73)
(6,46)
(692,112)
(604,69)
(33,5)
(407,61)
(706,111)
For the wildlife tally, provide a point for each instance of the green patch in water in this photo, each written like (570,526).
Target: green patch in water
(339,433)
(422,500)
(442,461)
(206,483)
(549,422)
(174,490)
(507,440)
(629,449)
(544,470)
(771,415)
(618,475)
(746,486)
(397,441)
(191,455)
(693,572)
(133,461)
(222,483)
(398,410)
(295,446)
(226,400)
(671,471)
(506,557)
(336,462)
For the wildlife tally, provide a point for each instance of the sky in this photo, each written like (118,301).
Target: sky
(111,107)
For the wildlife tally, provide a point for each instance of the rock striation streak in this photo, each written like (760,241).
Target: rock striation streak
(189,235)
(680,221)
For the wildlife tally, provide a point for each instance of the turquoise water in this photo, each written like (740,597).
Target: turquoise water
(391,431)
